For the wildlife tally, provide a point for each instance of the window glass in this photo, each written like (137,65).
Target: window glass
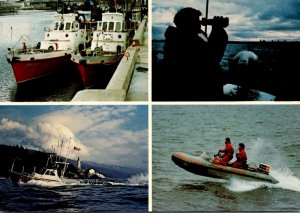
(61,26)
(104,28)
(56,26)
(111,26)
(68,26)
(99,25)
(118,26)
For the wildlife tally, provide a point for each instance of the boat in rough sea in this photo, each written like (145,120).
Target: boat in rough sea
(45,175)
(53,171)
(110,40)
(71,31)
(203,165)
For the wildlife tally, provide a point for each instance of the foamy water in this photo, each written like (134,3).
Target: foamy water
(271,136)
(260,150)
(140,179)
(44,183)
(43,196)
(135,180)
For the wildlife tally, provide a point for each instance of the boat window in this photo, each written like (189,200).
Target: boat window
(118,26)
(50,173)
(99,25)
(111,26)
(61,27)
(56,26)
(123,26)
(76,26)
(68,26)
(72,26)
(104,28)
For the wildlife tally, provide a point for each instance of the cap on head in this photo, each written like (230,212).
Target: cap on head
(187,19)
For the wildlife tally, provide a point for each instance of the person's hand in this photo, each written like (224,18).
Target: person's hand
(219,22)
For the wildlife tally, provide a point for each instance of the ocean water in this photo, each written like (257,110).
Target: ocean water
(113,195)
(276,73)
(270,134)
(58,87)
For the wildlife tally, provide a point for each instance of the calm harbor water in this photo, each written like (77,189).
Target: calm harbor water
(58,87)
(271,135)
(122,196)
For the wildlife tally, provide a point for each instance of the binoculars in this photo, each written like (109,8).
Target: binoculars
(216,21)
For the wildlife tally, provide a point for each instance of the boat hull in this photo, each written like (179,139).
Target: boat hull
(17,177)
(96,70)
(27,69)
(202,166)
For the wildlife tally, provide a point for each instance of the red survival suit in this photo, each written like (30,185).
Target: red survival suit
(228,154)
(241,159)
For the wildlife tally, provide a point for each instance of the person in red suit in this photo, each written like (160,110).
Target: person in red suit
(241,157)
(228,152)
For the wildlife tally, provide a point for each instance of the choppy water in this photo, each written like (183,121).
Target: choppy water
(231,50)
(113,195)
(59,87)
(271,135)
(276,73)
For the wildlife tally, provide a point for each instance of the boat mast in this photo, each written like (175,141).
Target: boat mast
(12,166)
(65,163)
(206,15)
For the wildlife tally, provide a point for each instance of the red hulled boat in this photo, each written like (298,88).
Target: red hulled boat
(53,53)
(110,41)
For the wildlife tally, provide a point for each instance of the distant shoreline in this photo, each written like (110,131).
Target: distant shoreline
(4,12)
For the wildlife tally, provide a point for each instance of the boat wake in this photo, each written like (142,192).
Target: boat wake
(286,181)
(279,170)
(43,183)
(140,180)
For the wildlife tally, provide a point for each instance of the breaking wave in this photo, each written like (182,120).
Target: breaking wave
(135,180)
(140,179)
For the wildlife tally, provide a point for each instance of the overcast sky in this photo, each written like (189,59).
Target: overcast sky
(249,19)
(115,135)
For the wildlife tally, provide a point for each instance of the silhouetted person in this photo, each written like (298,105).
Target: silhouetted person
(190,68)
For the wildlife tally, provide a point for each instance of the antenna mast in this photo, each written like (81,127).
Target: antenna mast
(206,15)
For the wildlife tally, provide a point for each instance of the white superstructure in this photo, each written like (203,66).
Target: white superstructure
(68,32)
(111,34)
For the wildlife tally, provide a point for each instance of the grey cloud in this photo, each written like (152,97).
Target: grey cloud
(264,16)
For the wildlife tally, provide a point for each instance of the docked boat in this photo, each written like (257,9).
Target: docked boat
(54,52)
(110,41)
(203,165)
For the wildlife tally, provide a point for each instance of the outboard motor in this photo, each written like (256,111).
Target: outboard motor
(263,168)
